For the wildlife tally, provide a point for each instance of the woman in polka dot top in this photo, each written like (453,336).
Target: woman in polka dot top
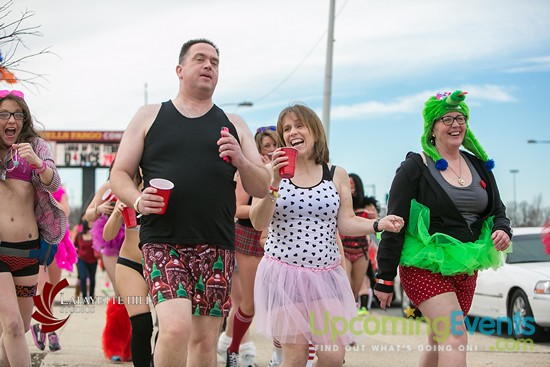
(300,283)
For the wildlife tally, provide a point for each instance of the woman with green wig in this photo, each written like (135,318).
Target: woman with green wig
(455,225)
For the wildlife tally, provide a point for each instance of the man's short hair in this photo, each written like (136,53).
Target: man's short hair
(187,45)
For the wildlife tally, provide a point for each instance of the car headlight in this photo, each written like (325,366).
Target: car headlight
(542,287)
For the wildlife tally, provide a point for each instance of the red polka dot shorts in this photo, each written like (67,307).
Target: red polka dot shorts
(422,284)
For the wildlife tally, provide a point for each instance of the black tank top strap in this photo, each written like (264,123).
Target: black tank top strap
(328,174)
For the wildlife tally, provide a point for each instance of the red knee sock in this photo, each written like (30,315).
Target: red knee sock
(241,323)
(311,355)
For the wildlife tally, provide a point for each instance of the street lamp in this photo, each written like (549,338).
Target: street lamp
(533,141)
(513,172)
(238,104)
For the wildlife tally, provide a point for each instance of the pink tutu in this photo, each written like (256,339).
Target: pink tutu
(295,305)
(108,248)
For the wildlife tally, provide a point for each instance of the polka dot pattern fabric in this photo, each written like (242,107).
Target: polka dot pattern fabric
(303,229)
(421,284)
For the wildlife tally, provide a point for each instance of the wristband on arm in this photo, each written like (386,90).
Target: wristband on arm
(40,170)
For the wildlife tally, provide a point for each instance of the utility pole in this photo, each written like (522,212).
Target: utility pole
(328,70)
(145,93)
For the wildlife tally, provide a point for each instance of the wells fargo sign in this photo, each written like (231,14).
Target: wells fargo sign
(83,148)
(82,136)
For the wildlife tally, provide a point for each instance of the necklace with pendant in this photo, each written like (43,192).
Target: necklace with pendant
(4,164)
(459,176)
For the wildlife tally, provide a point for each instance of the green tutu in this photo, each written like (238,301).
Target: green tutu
(441,253)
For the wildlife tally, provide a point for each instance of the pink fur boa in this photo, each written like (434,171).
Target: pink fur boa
(59,194)
(66,255)
(545,236)
(109,248)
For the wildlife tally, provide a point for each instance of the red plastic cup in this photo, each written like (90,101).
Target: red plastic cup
(129,216)
(108,195)
(164,189)
(288,171)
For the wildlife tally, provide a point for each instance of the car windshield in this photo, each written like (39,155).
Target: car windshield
(527,248)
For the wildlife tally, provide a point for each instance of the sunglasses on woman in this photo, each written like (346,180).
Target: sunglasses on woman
(265,128)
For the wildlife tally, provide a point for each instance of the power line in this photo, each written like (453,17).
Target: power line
(322,37)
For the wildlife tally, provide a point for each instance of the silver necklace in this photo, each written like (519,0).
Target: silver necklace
(4,164)
(459,176)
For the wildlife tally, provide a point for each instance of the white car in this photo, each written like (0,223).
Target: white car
(520,288)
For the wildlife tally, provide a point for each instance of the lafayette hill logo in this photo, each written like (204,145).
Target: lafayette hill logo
(43,303)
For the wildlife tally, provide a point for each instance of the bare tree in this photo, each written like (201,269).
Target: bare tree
(528,215)
(13,31)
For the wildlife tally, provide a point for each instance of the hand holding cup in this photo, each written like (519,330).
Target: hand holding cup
(288,170)
(129,217)
(164,190)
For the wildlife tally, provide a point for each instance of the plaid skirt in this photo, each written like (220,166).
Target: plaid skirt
(247,241)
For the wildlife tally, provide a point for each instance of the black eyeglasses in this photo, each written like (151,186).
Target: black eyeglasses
(265,128)
(449,120)
(5,115)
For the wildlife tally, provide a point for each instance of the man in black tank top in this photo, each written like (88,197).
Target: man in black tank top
(188,251)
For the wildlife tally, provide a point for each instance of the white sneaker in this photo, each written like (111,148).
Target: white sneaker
(275,361)
(247,352)
(223,344)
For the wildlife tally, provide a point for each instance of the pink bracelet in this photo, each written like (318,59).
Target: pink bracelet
(40,170)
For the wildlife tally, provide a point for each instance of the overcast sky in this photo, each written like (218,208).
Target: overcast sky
(389,57)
